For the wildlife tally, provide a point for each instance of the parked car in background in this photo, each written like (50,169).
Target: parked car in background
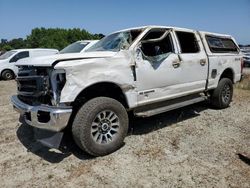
(246,56)
(8,70)
(145,71)
(246,59)
(78,47)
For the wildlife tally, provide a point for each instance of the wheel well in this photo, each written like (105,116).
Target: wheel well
(104,89)
(228,73)
(5,70)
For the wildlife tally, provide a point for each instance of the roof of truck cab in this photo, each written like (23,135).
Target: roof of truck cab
(173,27)
(34,49)
(154,26)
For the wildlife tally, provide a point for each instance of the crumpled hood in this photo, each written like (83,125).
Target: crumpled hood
(46,61)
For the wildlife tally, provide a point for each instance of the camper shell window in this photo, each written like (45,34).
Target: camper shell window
(221,45)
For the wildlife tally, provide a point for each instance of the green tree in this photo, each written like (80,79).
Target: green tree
(17,43)
(6,47)
(49,38)
(56,37)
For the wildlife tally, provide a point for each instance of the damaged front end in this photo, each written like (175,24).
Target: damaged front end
(38,96)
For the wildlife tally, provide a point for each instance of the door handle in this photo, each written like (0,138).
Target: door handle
(176,64)
(203,62)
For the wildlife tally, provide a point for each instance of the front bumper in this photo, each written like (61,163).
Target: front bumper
(57,119)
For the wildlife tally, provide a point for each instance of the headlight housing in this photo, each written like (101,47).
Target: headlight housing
(57,80)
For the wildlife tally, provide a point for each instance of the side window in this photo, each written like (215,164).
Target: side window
(221,45)
(187,42)
(157,43)
(19,55)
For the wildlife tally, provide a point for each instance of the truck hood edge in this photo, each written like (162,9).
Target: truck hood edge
(47,61)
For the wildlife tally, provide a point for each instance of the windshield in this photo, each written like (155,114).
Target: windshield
(74,48)
(116,41)
(6,55)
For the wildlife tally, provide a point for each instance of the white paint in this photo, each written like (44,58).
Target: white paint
(152,84)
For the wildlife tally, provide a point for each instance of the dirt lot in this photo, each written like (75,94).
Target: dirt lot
(192,147)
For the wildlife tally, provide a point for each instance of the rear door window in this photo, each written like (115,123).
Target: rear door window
(188,42)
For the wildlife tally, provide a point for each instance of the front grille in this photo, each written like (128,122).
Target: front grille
(33,86)
(33,71)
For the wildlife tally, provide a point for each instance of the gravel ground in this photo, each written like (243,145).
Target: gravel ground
(194,146)
(246,70)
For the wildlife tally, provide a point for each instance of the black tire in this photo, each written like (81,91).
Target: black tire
(85,125)
(7,75)
(222,95)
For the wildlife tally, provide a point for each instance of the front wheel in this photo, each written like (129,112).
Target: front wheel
(7,75)
(222,95)
(100,126)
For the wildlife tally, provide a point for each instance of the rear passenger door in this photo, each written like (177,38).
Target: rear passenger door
(193,61)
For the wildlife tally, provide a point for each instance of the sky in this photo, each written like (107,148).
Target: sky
(19,17)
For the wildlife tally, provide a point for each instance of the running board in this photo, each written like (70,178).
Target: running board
(163,109)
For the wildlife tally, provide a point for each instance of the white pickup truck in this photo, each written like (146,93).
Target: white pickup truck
(145,70)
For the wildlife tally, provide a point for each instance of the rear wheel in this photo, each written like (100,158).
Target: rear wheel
(222,95)
(100,126)
(7,75)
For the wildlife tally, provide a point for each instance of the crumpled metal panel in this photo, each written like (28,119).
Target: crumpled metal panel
(83,73)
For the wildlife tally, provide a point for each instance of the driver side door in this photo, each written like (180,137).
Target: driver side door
(159,76)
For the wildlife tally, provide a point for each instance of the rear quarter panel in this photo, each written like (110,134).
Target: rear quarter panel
(221,61)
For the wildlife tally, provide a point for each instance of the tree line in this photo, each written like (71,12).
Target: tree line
(57,38)
(49,38)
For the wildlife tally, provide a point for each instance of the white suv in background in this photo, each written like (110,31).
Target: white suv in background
(246,56)
(78,46)
(8,70)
